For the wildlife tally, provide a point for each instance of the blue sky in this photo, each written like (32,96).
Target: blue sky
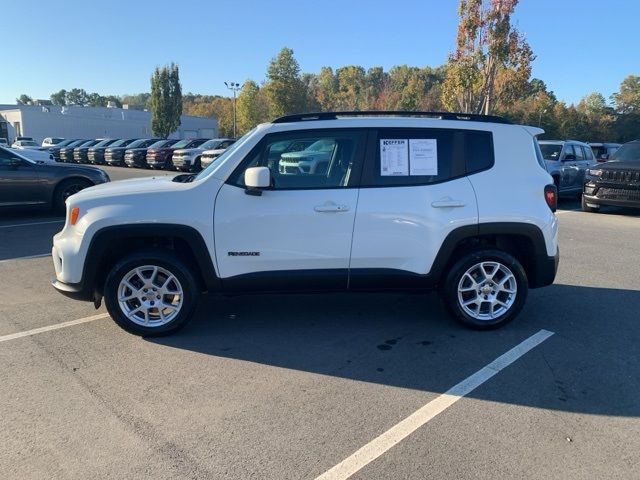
(111,47)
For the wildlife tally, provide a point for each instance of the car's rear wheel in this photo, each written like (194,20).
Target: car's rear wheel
(151,293)
(587,208)
(486,289)
(65,190)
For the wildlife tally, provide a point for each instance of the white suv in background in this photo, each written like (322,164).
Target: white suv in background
(455,201)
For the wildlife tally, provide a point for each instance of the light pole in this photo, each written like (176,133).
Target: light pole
(234,87)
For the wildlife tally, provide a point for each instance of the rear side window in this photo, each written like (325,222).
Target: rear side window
(404,157)
(588,154)
(578,150)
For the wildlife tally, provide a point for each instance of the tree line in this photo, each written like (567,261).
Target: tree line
(488,72)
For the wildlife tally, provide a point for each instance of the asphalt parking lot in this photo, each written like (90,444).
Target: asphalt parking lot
(290,387)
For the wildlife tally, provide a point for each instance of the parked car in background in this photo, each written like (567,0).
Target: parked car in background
(567,161)
(208,156)
(22,144)
(55,150)
(161,157)
(18,138)
(616,182)
(25,182)
(66,153)
(114,154)
(95,154)
(603,151)
(190,159)
(137,157)
(51,141)
(39,155)
(4,142)
(81,153)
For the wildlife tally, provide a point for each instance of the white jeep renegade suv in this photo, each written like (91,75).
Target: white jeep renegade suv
(408,201)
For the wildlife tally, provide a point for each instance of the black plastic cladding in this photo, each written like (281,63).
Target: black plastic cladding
(472,117)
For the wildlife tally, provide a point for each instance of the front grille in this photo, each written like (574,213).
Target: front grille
(620,176)
(606,193)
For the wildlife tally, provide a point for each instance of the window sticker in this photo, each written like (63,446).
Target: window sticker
(394,157)
(423,156)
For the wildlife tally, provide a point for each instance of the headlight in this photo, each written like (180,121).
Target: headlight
(594,173)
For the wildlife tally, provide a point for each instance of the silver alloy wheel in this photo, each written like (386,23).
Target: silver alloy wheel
(487,291)
(150,296)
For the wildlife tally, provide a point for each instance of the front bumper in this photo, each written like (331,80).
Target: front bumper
(75,291)
(135,161)
(616,195)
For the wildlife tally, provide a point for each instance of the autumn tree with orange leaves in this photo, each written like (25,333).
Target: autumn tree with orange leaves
(492,61)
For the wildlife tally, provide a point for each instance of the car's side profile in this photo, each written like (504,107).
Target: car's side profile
(567,161)
(405,203)
(24,182)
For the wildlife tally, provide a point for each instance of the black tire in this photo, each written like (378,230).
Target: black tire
(587,208)
(65,189)
(454,278)
(168,262)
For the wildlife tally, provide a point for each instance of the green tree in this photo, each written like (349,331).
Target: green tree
(77,96)
(138,101)
(351,93)
(24,100)
(284,90)
(486,46)
(627,99)
(59,98)
(166,100)
(252,107)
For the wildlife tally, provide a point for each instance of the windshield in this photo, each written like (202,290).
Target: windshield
(551,151)
(210,144)
(121,143)
(88,143)
(229,151)
(143,142)
(627,152)
(28,143)
(322,146)
(182,143)
(161,143)
(104,143)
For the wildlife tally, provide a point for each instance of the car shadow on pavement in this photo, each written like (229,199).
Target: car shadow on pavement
(590,365)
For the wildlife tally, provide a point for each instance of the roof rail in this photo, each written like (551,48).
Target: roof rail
(316,116)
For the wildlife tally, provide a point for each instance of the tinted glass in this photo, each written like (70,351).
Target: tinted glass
(196,143)
(306,160)
(569,154)
(210,144)
(628,152)
(162,143)
(588,154)
(478,151)
(551,151)
(414,157)
(578,151)
(5,157)
(182,143)
(141,143)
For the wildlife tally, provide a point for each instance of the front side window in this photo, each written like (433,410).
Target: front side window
(588,154)
(569,154)
(307,160)
(579,154)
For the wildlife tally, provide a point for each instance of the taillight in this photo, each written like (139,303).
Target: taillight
(551,197)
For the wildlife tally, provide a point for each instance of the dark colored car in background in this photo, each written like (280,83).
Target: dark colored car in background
(137,157)
(55,151)
(81,154)
(24,182)
(604,151)
(66,153)
(616,182)
(114,154)
(96,153)
(161,157)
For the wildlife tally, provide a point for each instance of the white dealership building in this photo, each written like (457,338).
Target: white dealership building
(41,121)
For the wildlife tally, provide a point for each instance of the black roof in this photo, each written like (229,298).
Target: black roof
(305,117)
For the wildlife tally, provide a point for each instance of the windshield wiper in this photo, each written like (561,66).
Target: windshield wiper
(185,178)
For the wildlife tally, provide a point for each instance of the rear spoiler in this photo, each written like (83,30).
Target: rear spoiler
(534,131)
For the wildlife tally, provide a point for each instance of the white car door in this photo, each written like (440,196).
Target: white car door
(296,234)
(415,193)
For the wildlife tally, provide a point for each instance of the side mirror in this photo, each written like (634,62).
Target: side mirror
(256,179)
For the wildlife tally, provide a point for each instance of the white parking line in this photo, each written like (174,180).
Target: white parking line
(406,427)
(31,224)
(35,331)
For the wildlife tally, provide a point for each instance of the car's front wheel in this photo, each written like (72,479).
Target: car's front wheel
(65,189)
(486,289)
(151,293)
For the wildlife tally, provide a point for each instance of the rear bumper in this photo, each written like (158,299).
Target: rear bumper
(545,270)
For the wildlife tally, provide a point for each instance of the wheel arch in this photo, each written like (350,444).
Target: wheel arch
(525,242)
(109,244)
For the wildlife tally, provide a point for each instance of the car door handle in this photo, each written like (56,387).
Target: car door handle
(449,203)
(331,207)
